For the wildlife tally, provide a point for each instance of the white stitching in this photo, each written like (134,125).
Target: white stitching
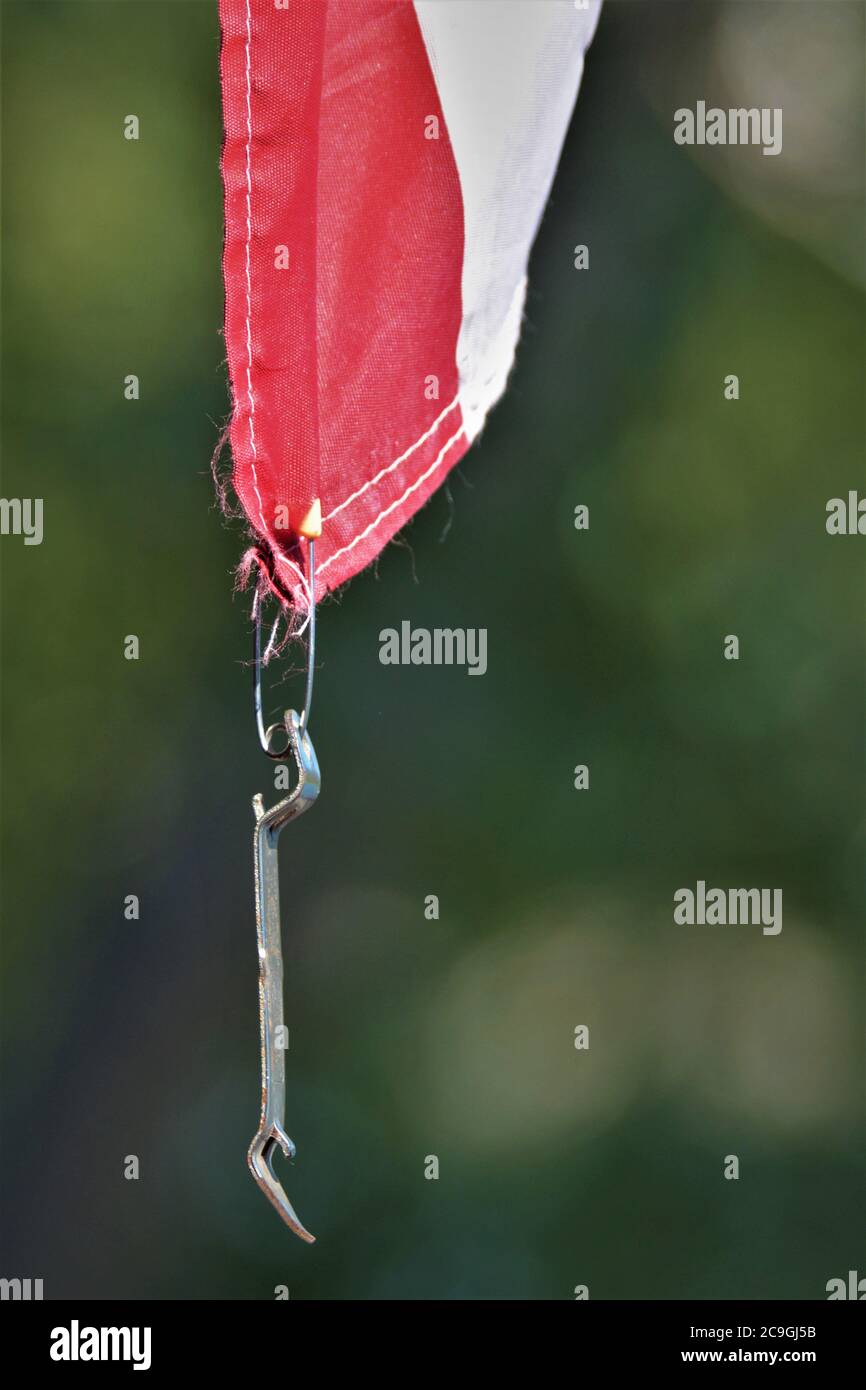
(281,559)
(391,466)
(250,398)
(387,510)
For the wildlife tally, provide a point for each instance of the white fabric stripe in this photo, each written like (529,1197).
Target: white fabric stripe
(507,72)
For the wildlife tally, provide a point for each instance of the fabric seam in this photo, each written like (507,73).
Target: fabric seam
(281,558)
(371,482)
(393,506)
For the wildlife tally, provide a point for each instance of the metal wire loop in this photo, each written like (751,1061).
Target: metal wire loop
(266,735)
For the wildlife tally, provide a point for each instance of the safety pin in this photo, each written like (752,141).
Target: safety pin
(265,735)
(271,1132)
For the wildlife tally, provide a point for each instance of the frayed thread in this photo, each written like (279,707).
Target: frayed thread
(227,500)
(260,561)
(257,567)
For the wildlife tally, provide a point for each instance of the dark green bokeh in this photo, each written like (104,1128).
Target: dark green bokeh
(454,1038)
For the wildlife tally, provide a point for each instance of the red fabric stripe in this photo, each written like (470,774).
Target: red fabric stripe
(271,66)
(390,266)
(345,347)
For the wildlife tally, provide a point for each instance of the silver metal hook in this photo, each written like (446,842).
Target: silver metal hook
(265,735)
(271,1133)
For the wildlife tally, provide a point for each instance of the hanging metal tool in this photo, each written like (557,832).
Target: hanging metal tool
(271,1133)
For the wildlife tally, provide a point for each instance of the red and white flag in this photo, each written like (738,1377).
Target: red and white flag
(386,165)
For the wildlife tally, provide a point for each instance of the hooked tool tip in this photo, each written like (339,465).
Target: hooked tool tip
(260,1160)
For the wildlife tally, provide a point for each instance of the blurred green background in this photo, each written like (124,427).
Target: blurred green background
(455,1037)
